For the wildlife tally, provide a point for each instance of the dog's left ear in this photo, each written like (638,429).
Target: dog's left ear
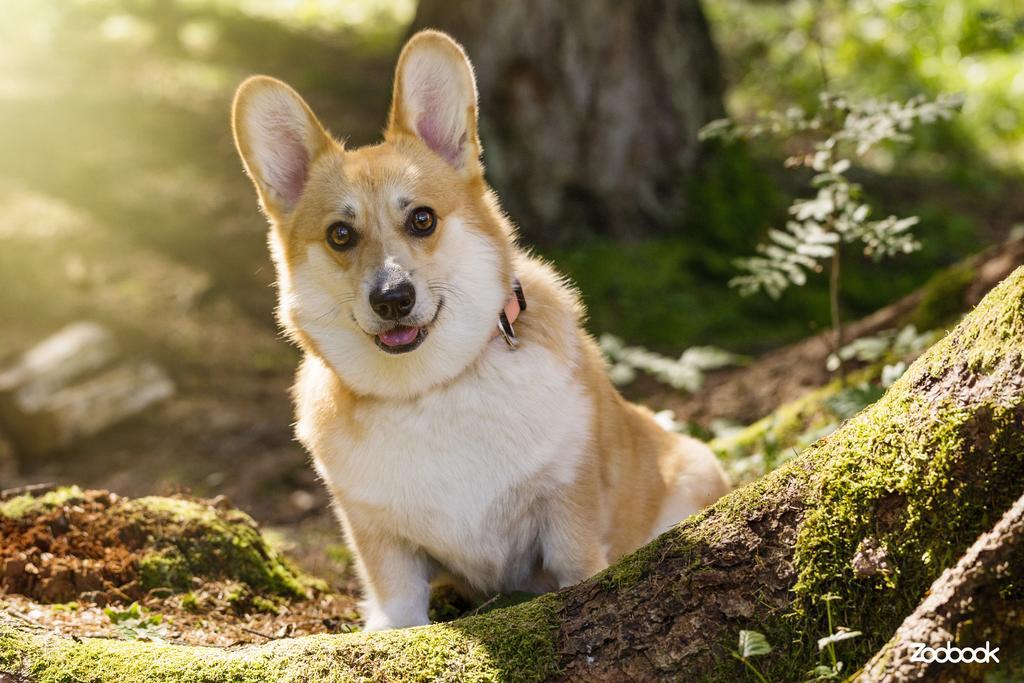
(435,99)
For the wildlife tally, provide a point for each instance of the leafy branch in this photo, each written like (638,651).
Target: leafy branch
(837,214)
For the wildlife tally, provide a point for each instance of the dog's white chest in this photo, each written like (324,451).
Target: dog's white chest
(459,471)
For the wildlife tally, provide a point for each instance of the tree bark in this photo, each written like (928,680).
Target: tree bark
(860,524)
(589,108)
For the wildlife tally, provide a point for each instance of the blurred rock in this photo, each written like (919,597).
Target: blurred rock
(72,385)
(74,351)
(303,500)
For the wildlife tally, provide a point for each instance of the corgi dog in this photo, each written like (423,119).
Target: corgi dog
(455,408)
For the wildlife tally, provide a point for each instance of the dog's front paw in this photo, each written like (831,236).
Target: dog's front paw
(378,619)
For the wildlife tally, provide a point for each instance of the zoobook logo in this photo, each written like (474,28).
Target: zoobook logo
(954,655)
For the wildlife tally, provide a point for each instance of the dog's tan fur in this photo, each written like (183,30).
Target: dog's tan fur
(430,472)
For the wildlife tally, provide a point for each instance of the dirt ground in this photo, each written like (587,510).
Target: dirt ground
(75,569)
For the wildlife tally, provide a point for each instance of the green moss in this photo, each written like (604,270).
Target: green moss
(190,602)
(166,568)
(261,604)
(943,297)
(241,597)
(783,428)
(983,345)
(29,504)
(633,567)
(238,595)
(513,644)
(190,539)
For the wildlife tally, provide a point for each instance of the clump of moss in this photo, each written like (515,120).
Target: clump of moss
(29,504)
(630,569)
(166,568)
(262,604)
(189,539)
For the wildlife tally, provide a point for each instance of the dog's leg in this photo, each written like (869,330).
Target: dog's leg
(571,543)
(699,483)
(395,578)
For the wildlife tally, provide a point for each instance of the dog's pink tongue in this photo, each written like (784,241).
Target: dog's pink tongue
(399,336)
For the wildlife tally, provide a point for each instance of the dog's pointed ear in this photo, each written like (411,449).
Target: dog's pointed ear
(278,137)
(435,99)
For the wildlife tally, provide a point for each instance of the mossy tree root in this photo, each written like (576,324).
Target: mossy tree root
(978,601)
(870,515)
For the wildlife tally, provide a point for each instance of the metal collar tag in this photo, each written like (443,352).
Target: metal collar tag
(509,334)
(515,305)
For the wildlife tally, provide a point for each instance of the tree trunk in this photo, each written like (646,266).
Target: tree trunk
(589,108)
(861,523)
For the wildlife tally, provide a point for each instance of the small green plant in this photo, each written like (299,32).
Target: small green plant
(887,344)
(837,216)
(685,373)
(134,624)
(65,607)
(190,602)
(752,644)
(833,669)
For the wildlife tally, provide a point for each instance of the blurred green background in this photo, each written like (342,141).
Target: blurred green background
(122,198)
(963,178)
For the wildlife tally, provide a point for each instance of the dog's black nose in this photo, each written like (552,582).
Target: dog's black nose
(392,302)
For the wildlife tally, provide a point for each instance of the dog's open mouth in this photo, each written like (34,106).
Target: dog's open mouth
(405,338)
(401,339)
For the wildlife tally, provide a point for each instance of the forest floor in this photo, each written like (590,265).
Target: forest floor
(78,567)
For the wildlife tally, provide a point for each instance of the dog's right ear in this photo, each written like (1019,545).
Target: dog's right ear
(278,138)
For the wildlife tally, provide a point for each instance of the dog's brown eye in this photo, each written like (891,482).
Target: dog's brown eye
(340,236)
(422,221)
